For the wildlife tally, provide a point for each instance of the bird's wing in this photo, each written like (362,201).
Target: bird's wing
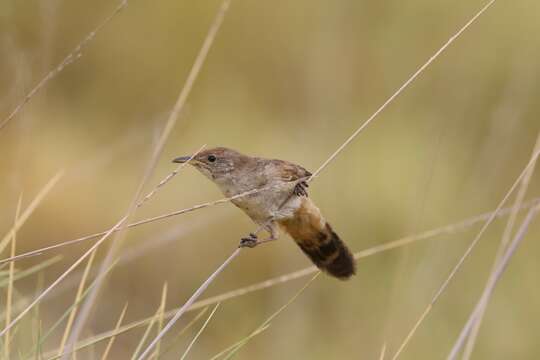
(289,171)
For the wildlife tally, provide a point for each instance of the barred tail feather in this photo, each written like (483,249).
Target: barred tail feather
(329,253)
(323,246)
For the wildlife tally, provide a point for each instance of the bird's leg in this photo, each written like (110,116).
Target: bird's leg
(252,240)
(273,230)
(300,189)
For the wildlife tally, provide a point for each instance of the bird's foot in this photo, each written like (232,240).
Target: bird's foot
(251,241)
(300,189)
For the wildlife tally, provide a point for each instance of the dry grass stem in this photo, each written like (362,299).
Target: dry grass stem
(168,128)
(29,210)
(21,274)
(477,316)
(171,121)
(109,258)
(111,340)
(402,87)
(37,322)
(383,352)
(124,328)
(9,295)
(167,178)
(155,319)
(188,303)
(492,281)
(39,327)
(161,318)
(199,332)
(76,301)
(85,310)
(183,211)
(445,230)
(60,278)
(137,223)
(462,259)
(233,349)
(61,319)
(178,336)
(74,55)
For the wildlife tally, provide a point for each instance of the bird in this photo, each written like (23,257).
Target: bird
(277,200)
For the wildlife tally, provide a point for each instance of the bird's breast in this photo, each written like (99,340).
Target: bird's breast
(275,202)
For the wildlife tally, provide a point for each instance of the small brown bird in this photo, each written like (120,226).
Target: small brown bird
(284,203)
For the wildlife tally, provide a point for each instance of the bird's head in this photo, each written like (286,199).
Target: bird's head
(215,163)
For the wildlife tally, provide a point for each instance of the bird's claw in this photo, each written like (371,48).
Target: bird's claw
(251,241)
(300,189)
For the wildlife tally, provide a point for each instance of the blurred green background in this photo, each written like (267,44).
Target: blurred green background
(288,80)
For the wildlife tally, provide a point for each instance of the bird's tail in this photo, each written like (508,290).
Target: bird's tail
(322,245)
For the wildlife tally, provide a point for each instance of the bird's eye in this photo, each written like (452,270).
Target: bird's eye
(211,158)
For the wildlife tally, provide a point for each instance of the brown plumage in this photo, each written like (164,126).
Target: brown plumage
(318,241)
(283,204)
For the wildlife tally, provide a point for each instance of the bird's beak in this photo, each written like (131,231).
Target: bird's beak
(181,159)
